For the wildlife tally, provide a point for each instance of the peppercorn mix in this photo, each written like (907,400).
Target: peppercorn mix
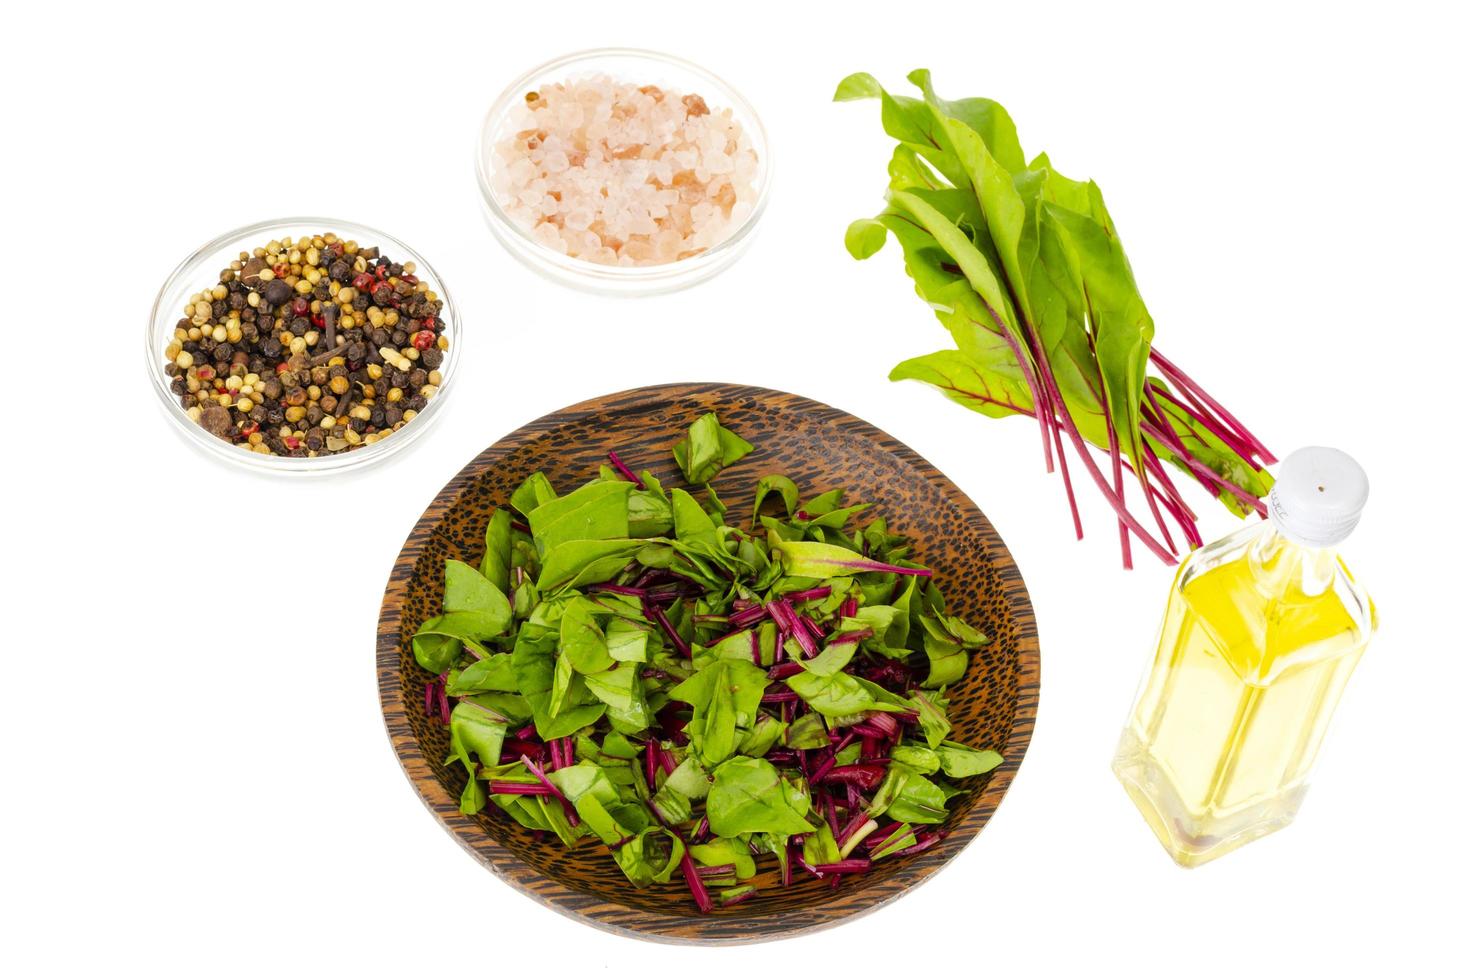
(308,348)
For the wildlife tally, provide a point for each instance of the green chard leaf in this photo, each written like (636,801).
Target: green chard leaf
(498,549)
(747,797)
(958,761)
(533,492)
(594,512)
(708,448)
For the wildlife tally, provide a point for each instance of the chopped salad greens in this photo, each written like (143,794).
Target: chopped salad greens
(623,664)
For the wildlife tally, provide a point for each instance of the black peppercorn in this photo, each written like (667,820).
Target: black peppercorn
(277,292)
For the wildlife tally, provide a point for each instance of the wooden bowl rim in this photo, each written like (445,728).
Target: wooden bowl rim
(732,928)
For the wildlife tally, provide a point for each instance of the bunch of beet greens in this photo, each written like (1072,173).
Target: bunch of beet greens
(625,665)
(1024,268)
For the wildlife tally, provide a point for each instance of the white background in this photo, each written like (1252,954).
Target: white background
(197,778)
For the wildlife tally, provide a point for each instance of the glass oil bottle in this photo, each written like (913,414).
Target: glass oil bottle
(1262,630)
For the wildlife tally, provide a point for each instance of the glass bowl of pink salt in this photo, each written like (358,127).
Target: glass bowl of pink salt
(623,171)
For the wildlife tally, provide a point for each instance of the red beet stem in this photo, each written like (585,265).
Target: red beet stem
(663,621)
(499,787)
(859,776)
(570,811)
(923,842)
(807,595)
(621,468)
(847,866)
(696,886)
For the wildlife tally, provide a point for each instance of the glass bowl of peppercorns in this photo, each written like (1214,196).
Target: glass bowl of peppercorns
(303,345)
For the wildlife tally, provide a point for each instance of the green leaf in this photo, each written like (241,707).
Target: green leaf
(594,512)
(566,722)
(865,237)
(467,591)
(969,382)
(1120,323)
(833,658)
(724,694)
(576,563)
(498,549)
(821,847)
(649,515)
(813,559)
(496,673)
(806,732)
(440,638)
(651,856)
(512,708)
(908,120)
(690,779)
(477,735)
(615,687)
(980,271)
(473,799)
(916,758)
(626,641)
(931,706)
(986,118)
(859,85)
(435,651)
(690,522)
(959,761)
(708,448)
(722,851)
(618,746)
(582,638)
(839,694)
(779,485)
(747,798)
(532,493)
(903,836)
(918,800)
(760,737)
(948,662)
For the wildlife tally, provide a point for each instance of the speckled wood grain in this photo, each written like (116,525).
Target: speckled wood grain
(817,446)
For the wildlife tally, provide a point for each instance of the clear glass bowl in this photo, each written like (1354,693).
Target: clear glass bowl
(643,67)
(201,270)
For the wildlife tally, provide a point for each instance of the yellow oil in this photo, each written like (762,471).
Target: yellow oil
(1254,653)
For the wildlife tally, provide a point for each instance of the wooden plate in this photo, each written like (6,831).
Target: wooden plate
(817,446)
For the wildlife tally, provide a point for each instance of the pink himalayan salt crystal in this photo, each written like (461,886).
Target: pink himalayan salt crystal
(623,174)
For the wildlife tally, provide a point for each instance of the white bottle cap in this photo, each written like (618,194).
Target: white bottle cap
(1318,496)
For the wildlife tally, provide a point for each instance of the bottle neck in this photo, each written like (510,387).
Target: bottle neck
(1283,567)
